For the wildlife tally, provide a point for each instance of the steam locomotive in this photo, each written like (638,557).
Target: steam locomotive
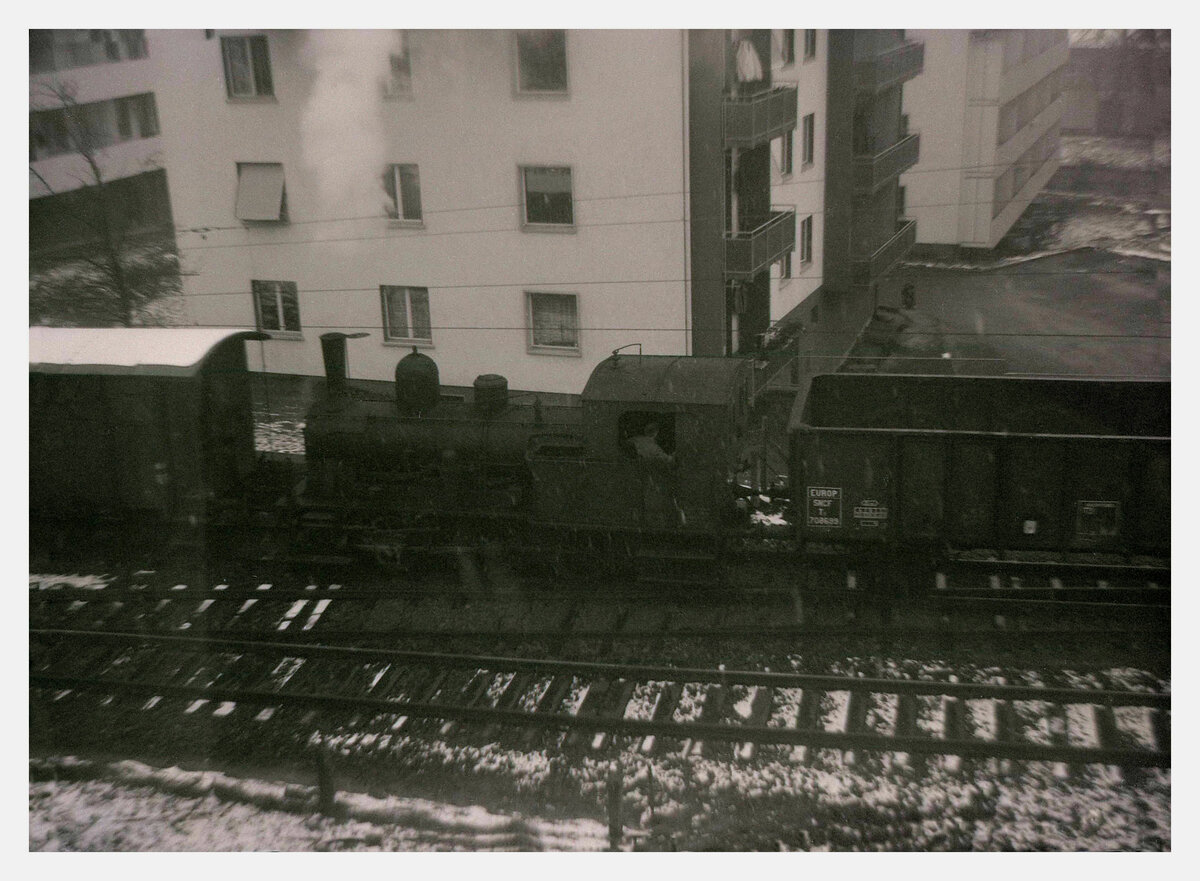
(897,463)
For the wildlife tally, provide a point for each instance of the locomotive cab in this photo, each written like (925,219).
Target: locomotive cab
(663,435)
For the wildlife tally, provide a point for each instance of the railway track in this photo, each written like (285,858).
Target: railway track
(719,713)
(317,610)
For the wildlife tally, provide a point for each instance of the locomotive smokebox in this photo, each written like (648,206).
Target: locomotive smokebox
(491,394)
(418,384)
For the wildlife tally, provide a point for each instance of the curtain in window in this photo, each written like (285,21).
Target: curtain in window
(548,196)
(402,304)
(278,305)
(419,301)
(403,186)
(291,306)
(555,320)
(268,305)
(397,312)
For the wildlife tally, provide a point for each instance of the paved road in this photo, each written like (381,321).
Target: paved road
(1083,313)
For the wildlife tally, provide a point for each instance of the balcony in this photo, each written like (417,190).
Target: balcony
(749,253)
(873,171)
(756,119)
(889,68)
(866,270)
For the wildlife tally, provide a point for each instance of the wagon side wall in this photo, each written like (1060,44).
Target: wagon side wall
(965,489)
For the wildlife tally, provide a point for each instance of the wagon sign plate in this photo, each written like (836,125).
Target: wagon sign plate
(870,511)
(824,506)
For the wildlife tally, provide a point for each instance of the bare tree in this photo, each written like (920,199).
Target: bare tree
(115,287)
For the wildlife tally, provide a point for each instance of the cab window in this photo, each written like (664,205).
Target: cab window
(633,423)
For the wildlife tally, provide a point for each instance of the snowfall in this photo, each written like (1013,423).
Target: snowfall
(780,799)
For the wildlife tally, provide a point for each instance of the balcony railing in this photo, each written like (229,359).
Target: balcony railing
(866,270)
(769,238)
(872,172)
(889,68)
(756,119)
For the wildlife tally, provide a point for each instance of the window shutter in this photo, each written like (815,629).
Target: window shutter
(260,191)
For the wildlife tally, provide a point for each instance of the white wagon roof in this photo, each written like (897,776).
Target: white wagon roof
(141,351)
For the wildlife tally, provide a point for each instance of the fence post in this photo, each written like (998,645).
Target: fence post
(613,791)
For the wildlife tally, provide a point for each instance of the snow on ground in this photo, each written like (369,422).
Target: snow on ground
(57,582)
(1114,152)
(799,799)
(99,815)
(1108,227)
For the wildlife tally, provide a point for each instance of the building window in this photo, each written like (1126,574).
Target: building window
(806,226)
(247,67)
(403,186)
(92,126)
(406,314)
(808,131)
(542,61)
(277,306)
(66,49)
(137,117)
(786,150)
(553,321)
(398,81)
(785,46)
(546,194)
(261,195)
(810,44)
(785,266)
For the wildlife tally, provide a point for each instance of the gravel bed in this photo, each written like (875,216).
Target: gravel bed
(775,797)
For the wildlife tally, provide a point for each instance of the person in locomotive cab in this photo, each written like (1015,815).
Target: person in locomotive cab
(660,467)
(647,448)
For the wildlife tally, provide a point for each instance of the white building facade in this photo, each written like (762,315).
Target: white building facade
(989,108)
(513,202)
(507,205)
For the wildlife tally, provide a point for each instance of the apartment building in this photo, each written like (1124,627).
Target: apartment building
(989,109)
(1118,83)
(107,79)
(868,146)
(525,202)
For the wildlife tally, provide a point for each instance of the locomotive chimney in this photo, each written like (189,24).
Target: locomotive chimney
(333,350)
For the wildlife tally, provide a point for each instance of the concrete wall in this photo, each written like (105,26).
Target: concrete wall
(935,187)
(706,179)
(468,131)
(804,188)
(955,105)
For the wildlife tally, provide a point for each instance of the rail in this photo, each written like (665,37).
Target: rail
(531,694)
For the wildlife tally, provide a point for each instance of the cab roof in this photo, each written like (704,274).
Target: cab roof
(128,351)
(666,379)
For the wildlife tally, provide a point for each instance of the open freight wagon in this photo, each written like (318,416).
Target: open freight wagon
(913,463)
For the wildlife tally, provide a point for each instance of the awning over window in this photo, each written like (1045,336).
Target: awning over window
(260,191)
